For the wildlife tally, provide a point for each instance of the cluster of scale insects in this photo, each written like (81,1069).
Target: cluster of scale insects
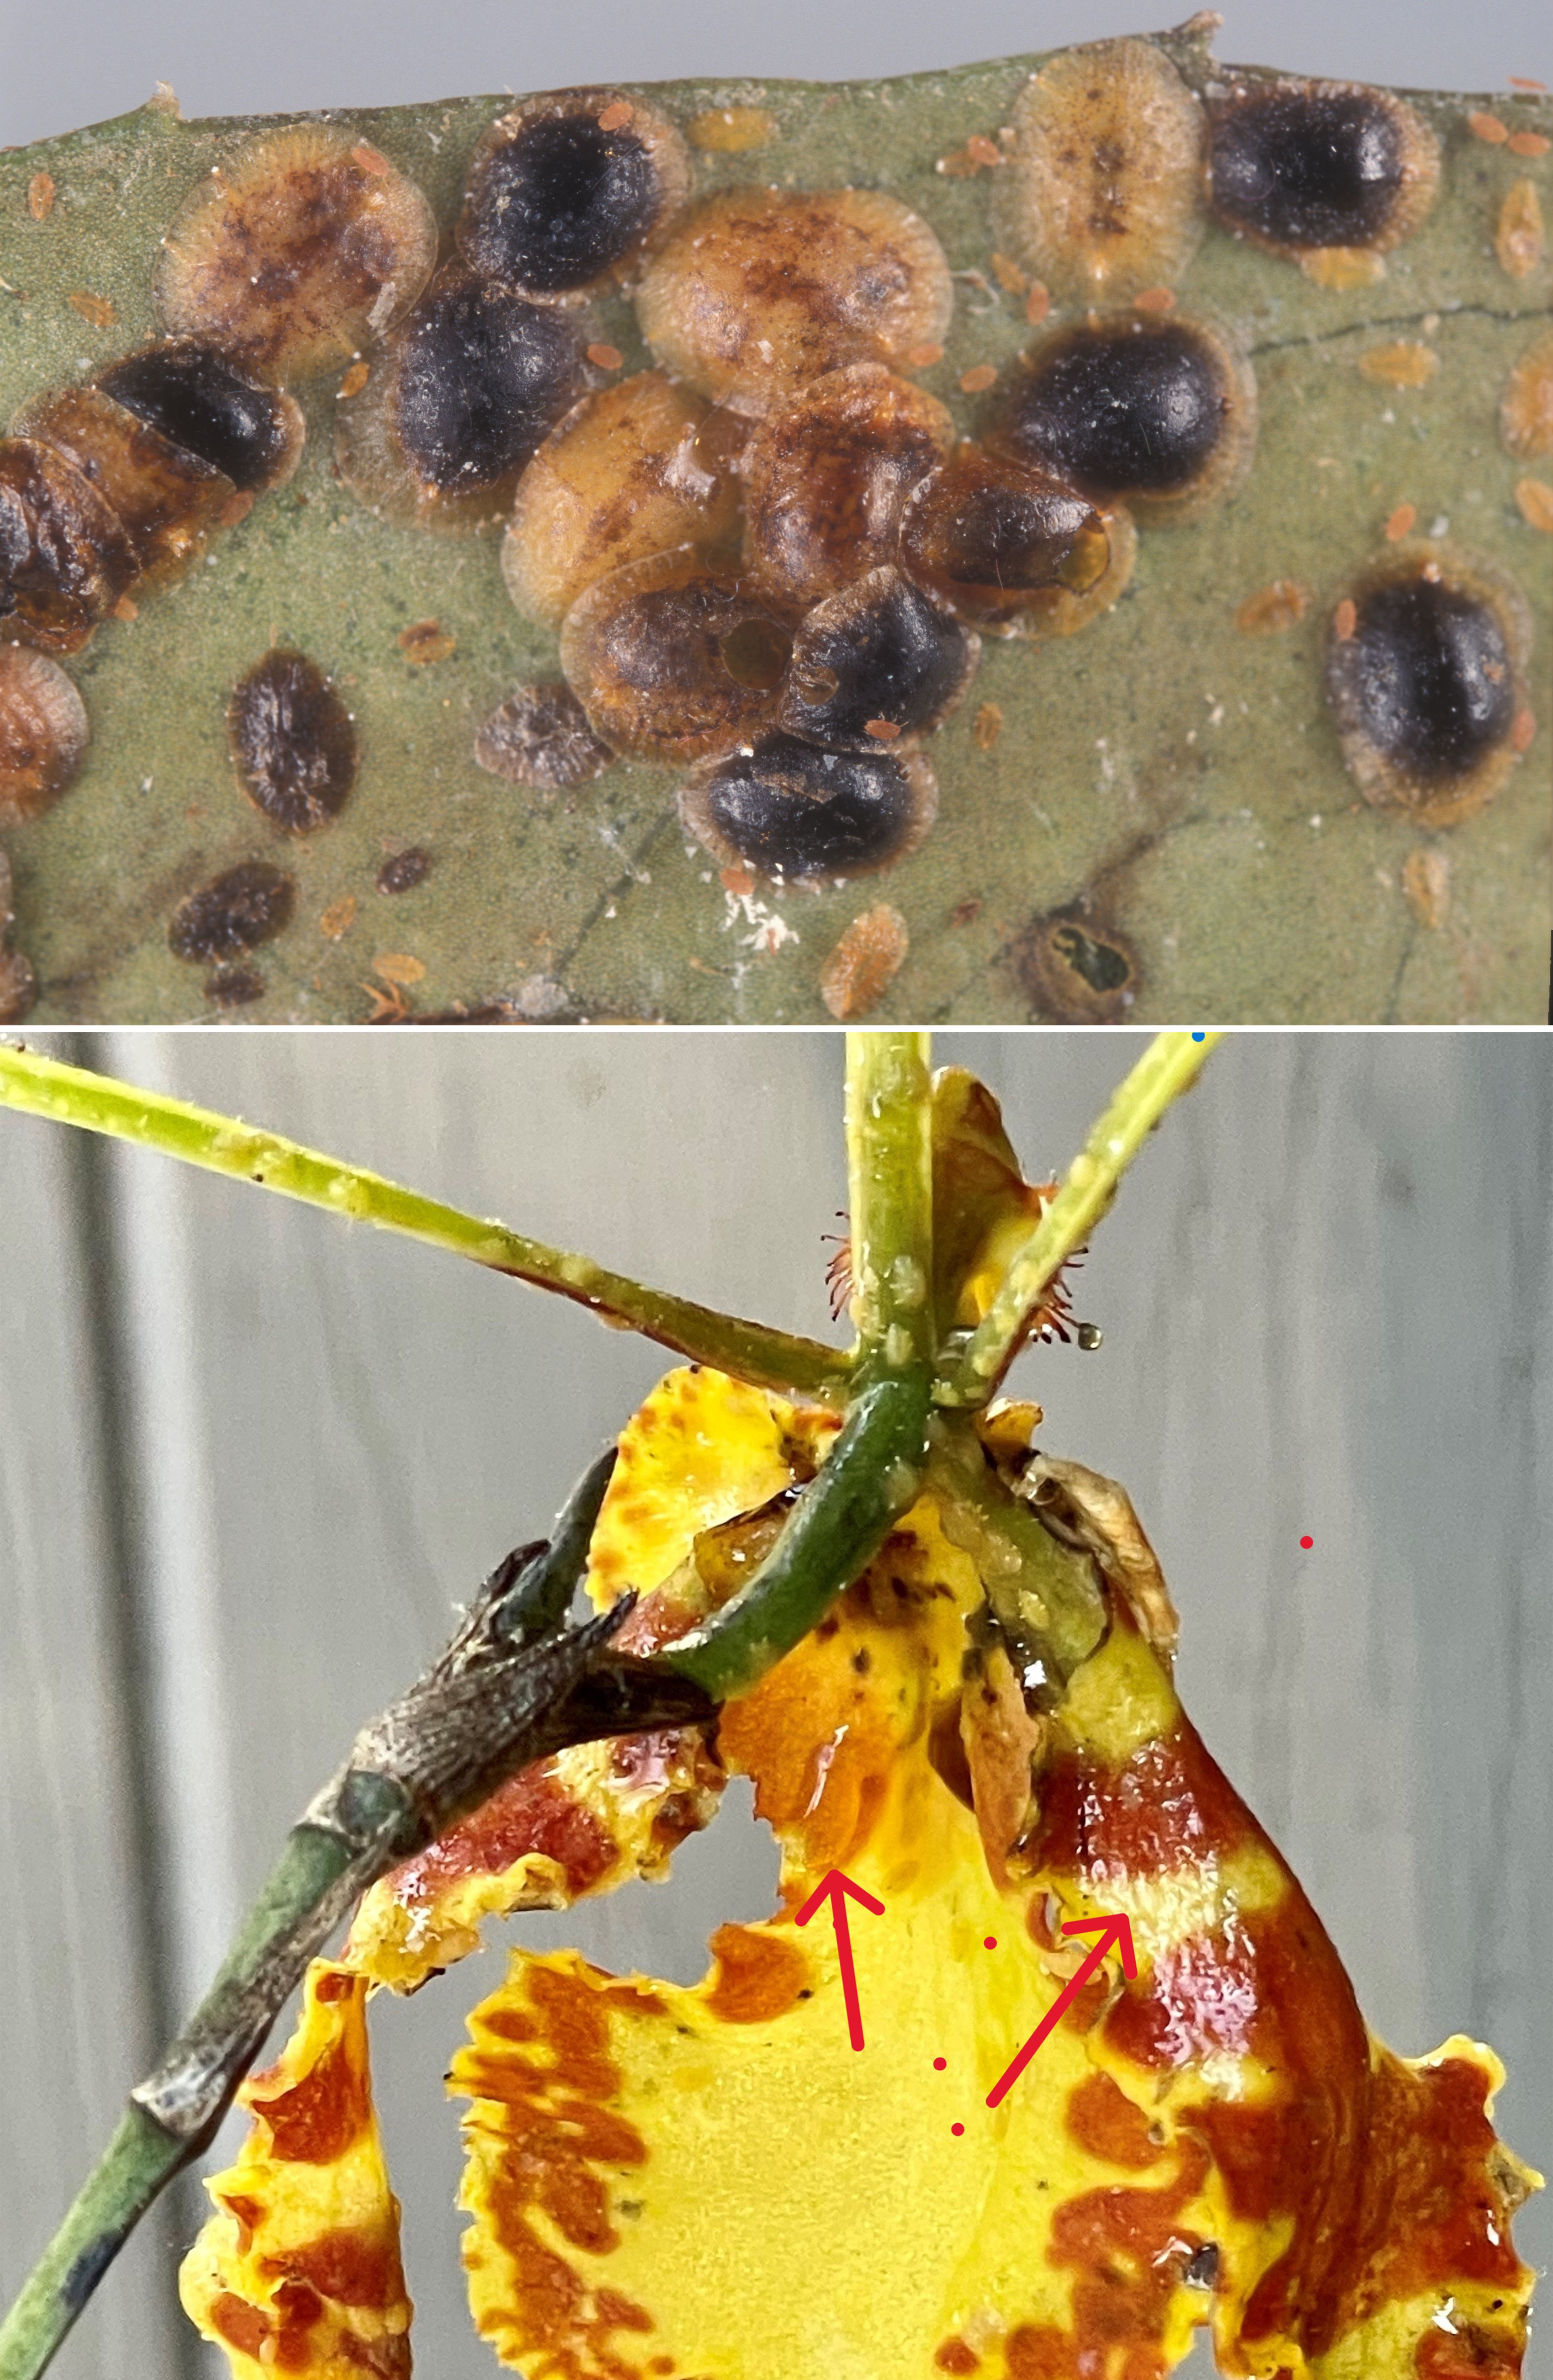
(770,559)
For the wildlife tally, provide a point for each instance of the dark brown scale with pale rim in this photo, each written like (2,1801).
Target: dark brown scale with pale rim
(1426,666)
(1298,166)
(208,405)
(292,741)
(1157,412)
(790,810)
(455,403)
(878,660)
(568,189)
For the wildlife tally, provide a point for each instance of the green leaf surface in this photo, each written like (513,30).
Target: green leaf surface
(1184,773)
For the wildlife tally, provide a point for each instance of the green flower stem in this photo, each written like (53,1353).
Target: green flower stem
(889,1168)
(1045,1595)
(748,1351)
(1169,1065)
(871,1476)
(513,1685)
(875,1470)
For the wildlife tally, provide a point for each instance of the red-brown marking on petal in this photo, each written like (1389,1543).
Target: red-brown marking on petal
(240,2324)
(1103,2119)
(955,2356)
(532,1812)
(346,2265)
(314,2120)
(1166,1808)
(759,1975)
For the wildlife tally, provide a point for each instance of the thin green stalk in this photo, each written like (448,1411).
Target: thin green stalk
(970,1375)
(889,1168)
(875,1470)
(749,1351)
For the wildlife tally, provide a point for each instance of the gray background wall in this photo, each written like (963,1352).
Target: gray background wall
(250,1457)
(72,62)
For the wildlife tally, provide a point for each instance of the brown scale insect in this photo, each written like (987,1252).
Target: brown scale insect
(784,809)
(1103,194)
(292,741)
(1075,969)
(671,659)
(404,871)
(456,402)
(1013,547)
(570,190)
(826,474)
(878,659)
(756,292)
(210,406)
(1298,166)
(296,252)
(43,734)
(540,736)
(231,915)
(65,559)
(1428,681)
(1155,412)
(19,985)
(234,987)
(166,499)
(633,471)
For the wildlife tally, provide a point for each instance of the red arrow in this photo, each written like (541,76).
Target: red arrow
(1115,1934)
(835,1889)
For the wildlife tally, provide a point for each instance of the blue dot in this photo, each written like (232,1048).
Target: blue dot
(1199,1037)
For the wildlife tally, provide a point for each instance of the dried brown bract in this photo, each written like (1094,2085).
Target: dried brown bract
(65,559)
(292,741)
(540,736)
(1013,547)
(1429,680)
(242,907)
(633,471)
(671,659)
(1299,166)
(43,734)
(570,189)
(1075,969)
(756,292)
(1159,412)
(825,476)
(456,402)
(296,252)
(1102,196)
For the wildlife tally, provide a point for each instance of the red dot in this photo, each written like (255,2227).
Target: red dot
(990,1943)
(1307,1542)
(940,2063)
(956,2130)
